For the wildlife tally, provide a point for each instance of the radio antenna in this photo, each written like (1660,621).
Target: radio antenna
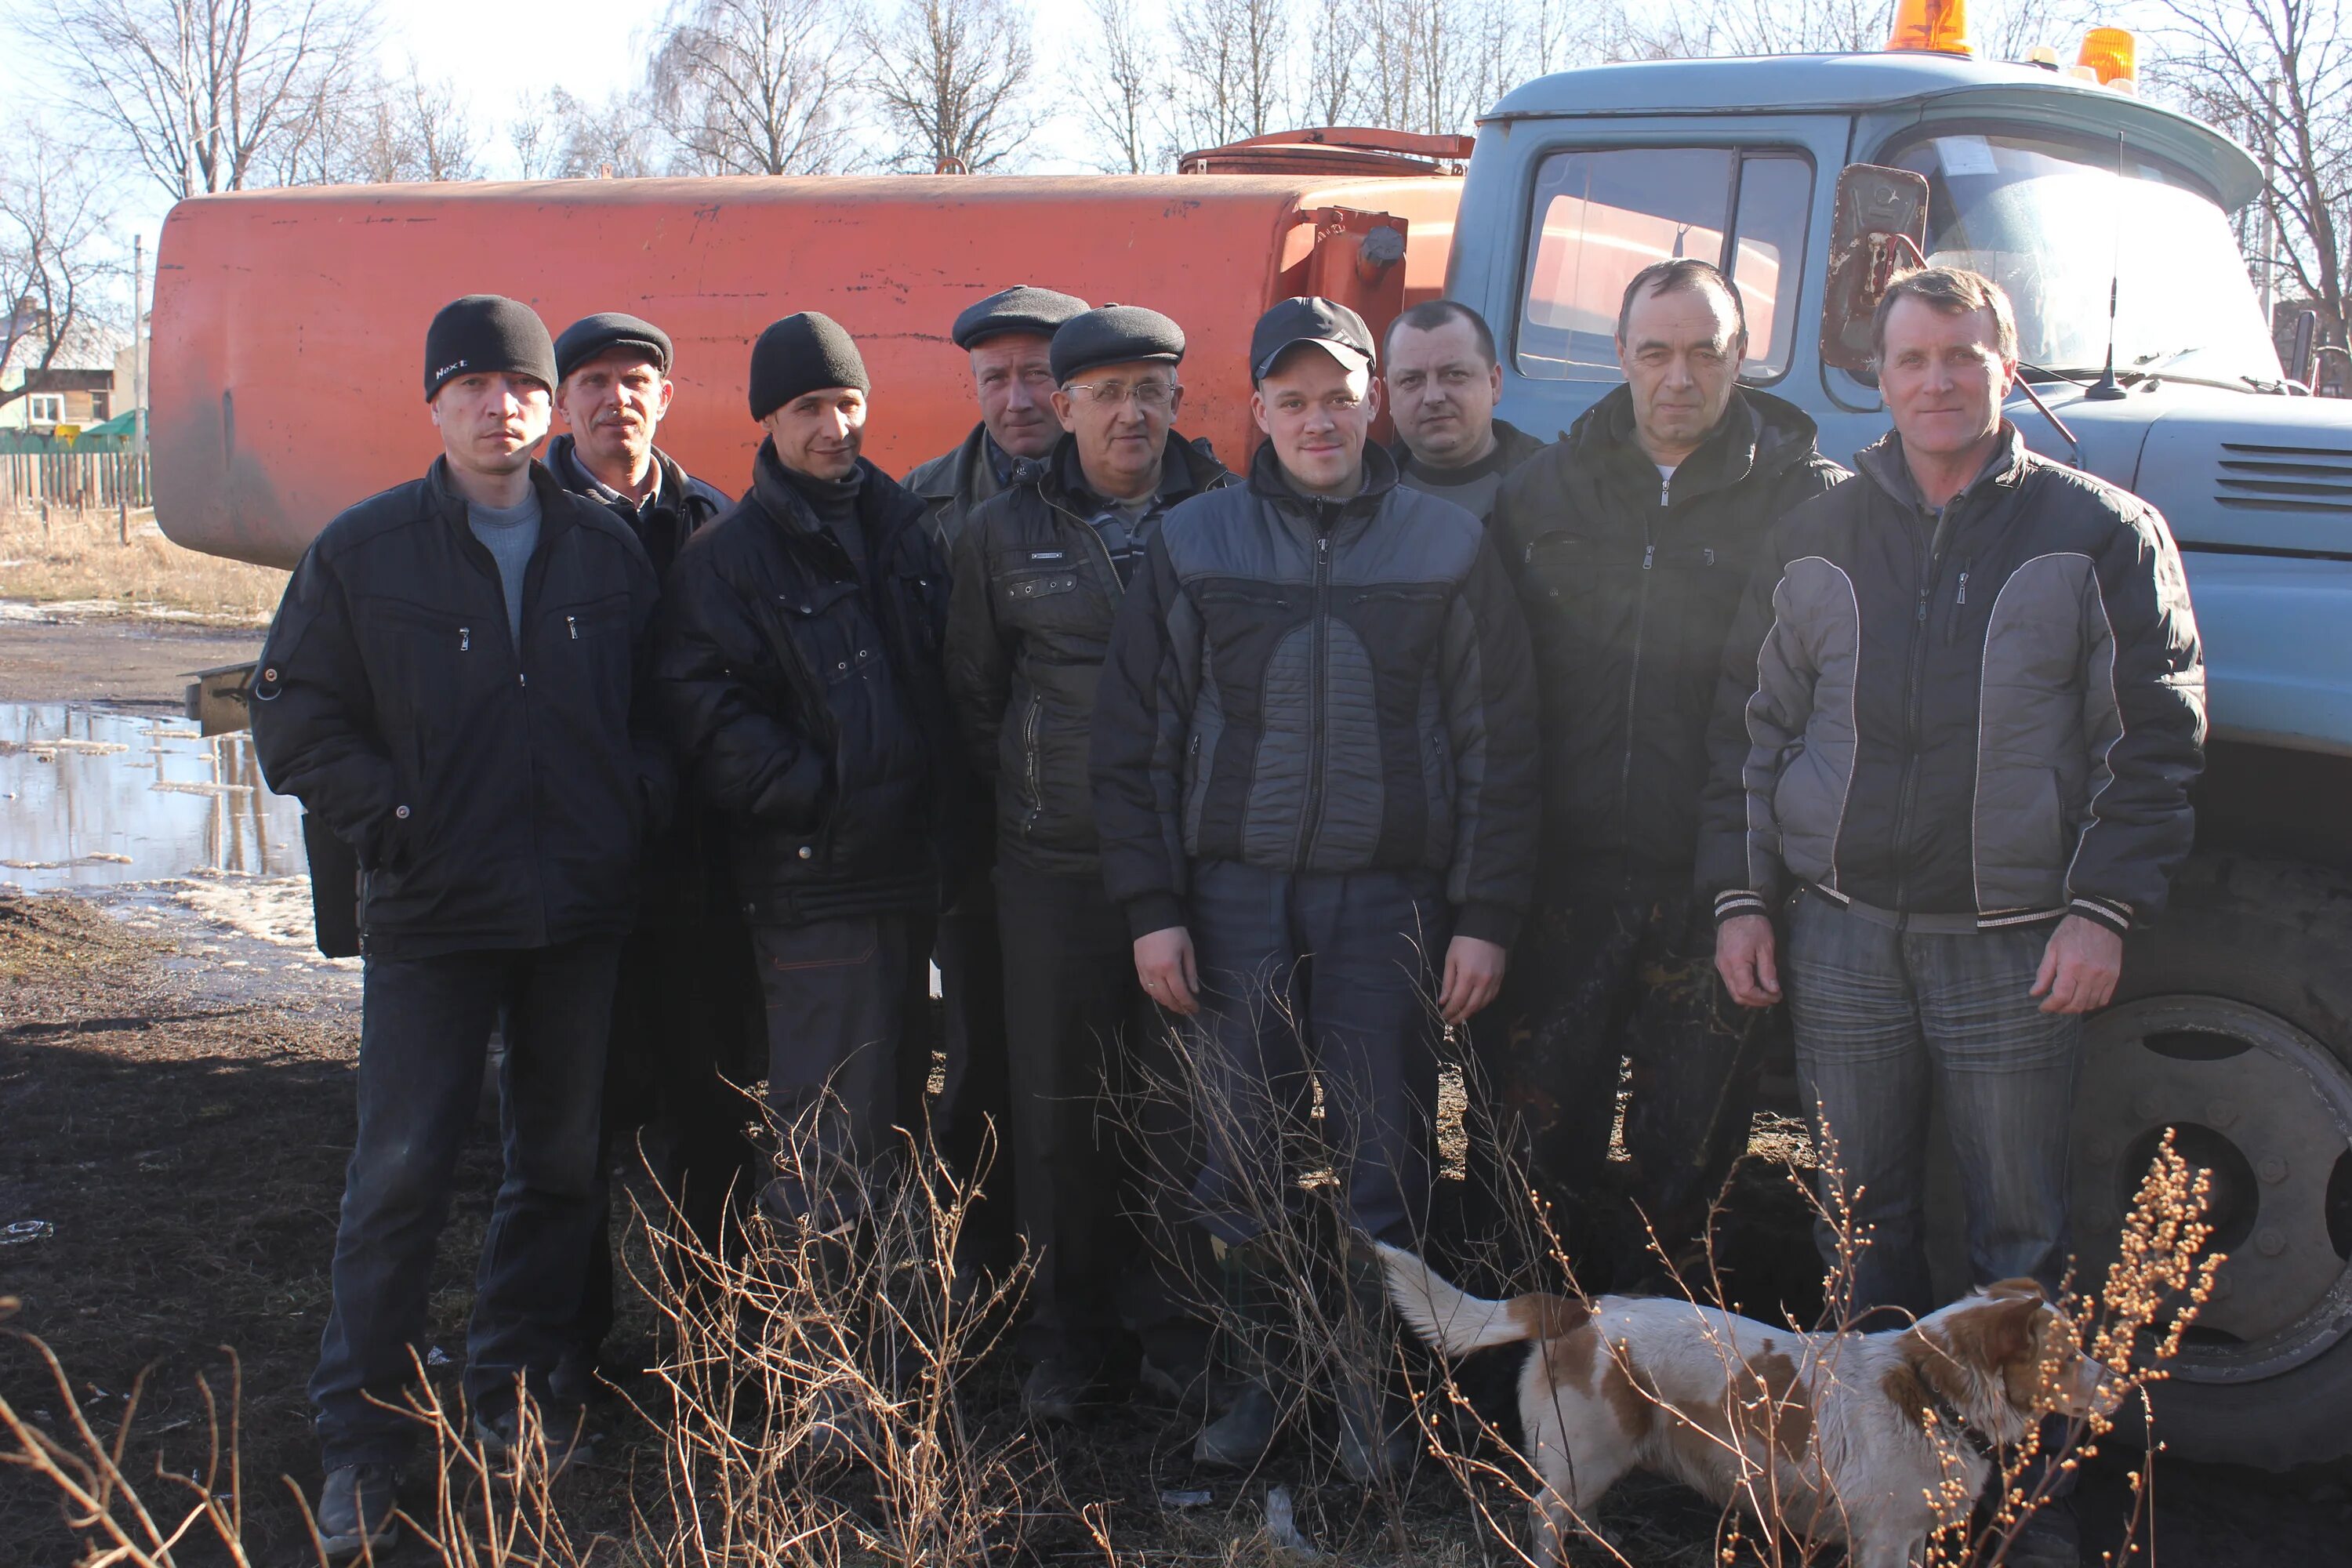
(2106,389)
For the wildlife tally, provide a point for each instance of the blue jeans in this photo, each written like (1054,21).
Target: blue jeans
(1326,975)
(424,1028)
(1883,1017)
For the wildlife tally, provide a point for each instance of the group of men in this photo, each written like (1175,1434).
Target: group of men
(1304,766)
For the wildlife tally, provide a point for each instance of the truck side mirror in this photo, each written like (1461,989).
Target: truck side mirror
(1881,228)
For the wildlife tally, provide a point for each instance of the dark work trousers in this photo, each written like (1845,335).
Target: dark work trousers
(1309,977)
(1074,1014)
(848,1053)
(424,1026)
(976,1090)
(689,1040)
(1619,979)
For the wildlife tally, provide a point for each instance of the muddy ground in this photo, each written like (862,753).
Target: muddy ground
(175,1104)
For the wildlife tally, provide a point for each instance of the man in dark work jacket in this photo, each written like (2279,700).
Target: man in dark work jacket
(799,663)
(684,1009)
(450,686)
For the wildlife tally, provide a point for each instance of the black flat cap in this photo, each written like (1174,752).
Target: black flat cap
(802,354)
(588,336)
(1311,319)
(487,332)
(1115,334)
(1019,309)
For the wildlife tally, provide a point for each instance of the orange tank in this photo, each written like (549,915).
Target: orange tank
(289,325)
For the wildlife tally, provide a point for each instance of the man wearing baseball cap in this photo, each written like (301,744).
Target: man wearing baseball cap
(684,1008)
(450,686)
(1314,767)
(1039,571)
(799,668)
(1008,339)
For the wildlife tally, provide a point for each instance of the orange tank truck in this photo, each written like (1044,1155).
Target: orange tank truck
(288,324)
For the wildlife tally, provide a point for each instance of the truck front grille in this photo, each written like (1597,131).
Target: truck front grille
(2284,479)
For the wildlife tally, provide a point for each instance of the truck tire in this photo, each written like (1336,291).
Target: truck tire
(2233,1024)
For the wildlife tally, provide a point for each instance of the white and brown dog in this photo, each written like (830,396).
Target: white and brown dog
(1877,1440)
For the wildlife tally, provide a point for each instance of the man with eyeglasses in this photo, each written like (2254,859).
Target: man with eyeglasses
(1008,337)
(1313,761)
(1039,571)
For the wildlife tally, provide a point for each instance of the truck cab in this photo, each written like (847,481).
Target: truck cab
(2233,1026)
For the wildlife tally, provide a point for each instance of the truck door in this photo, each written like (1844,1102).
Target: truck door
(1598,202)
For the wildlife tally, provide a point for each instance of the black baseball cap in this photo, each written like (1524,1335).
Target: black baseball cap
(1311,319)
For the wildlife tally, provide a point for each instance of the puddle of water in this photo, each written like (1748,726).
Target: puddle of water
(91,795)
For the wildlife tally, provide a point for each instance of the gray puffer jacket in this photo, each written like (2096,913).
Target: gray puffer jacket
(1993,712)
(1318,686)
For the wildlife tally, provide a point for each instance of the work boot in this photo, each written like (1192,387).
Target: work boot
(840,1430)
(565,1428)
(1379,1440)
(1239,1436)
(1055,1393)
(356,1510)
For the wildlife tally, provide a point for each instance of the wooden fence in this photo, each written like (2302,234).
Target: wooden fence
(84,480)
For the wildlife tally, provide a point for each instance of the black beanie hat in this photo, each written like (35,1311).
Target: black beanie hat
(804,352)
(1020,308)
(588,336)
(1115,334)
(487,332)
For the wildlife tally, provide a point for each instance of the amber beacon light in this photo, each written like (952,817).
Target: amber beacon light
(1939,25)
(2111,55)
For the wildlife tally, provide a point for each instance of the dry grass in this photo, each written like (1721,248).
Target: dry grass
(78,557)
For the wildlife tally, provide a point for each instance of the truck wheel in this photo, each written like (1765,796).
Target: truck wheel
(2233,1026)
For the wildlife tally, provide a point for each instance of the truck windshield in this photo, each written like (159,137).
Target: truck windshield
(2052,220)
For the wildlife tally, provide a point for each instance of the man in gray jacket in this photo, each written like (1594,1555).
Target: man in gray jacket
(1958,773)
(1314,791)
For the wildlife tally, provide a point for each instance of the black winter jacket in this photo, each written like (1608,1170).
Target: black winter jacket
(1992,712)
(496,796)
(680,508)
(1513,447)
(953,484)
(1629,587)
(1027,632)
(1318,686)
(807,704)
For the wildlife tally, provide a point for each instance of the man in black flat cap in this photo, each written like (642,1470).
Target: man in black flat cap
(799,665)
(684,1011)
(451,687)
(1039,570)
(1009,337)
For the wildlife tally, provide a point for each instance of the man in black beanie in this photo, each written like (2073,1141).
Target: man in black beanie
(450,687)
(1008,339)
(799,666)
(1039,570)
(684,1010)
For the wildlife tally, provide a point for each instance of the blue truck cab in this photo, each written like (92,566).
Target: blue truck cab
(2233,1026)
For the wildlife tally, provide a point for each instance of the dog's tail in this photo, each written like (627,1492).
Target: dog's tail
(1448,1318)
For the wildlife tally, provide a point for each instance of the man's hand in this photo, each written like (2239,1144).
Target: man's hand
(1474,976)
(1745,957)
(2080,967)
(1163,963)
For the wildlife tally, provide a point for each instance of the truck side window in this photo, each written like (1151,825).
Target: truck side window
(1600,217)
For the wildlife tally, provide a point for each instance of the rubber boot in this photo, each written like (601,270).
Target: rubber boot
(1239,1438)
(1378,1438)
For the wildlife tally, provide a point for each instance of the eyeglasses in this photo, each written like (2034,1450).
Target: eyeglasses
(1151,396)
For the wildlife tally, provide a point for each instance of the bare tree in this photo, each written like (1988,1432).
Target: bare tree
(54,272)
(2279,73)
(195,89)
(352,128)
(949,79)
(1123,109)
(754,87)
(1335,64)
(438,135)
(1232,79)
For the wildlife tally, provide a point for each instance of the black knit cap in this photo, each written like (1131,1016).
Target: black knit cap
(803,353)
(1115,334)
(487,332)
(1309,319)
(1020,308)
(588,336)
